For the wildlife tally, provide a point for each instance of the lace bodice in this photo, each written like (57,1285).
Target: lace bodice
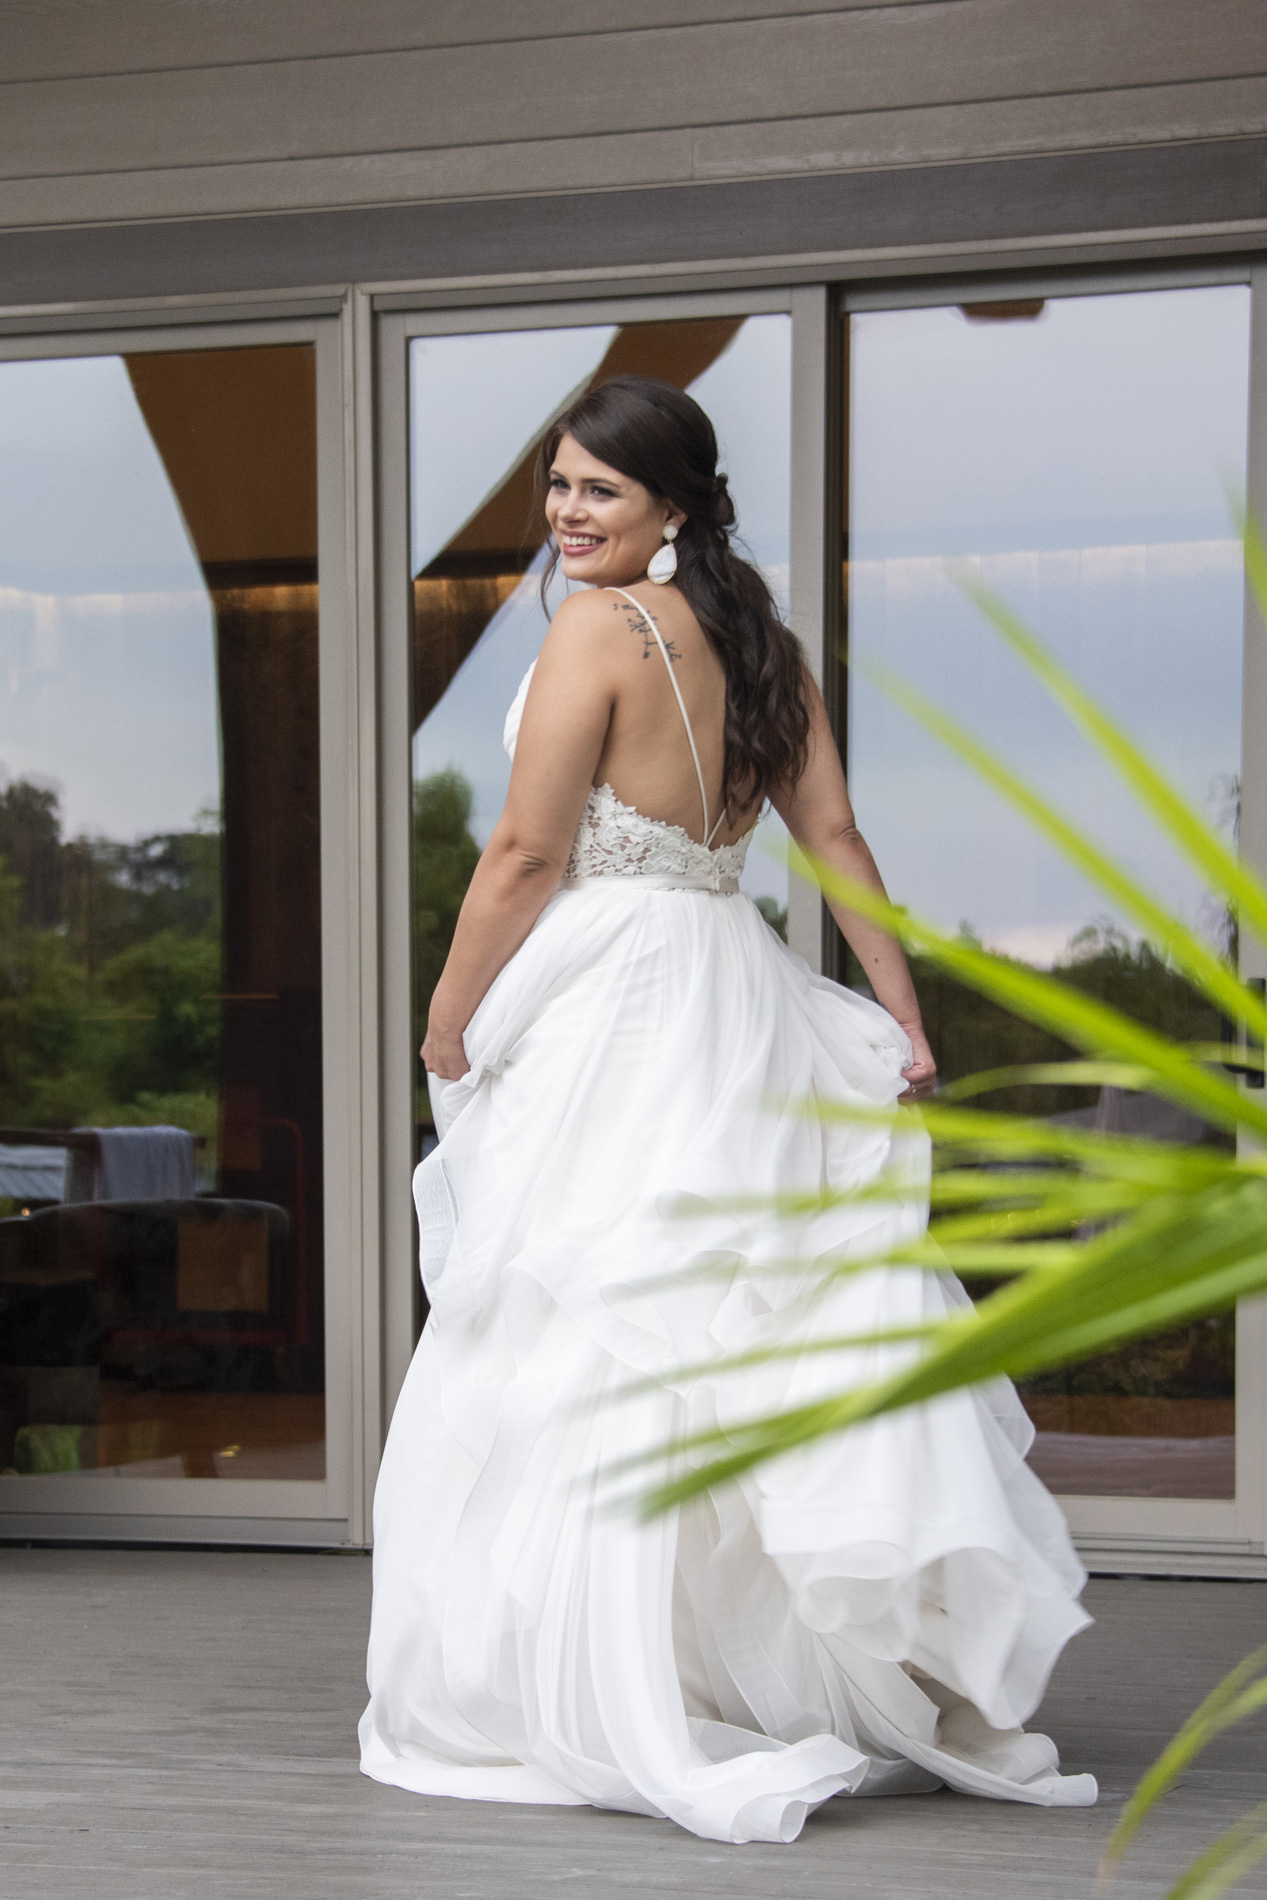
(616,840)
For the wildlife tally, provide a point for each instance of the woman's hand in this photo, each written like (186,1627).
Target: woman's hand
(444,1053)
(920,1073)
(817,812)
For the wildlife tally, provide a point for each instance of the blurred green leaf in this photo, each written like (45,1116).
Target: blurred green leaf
(1088,1024)
(1242,1692)
(1225,1864)
(1097,1238)
(1184,949)
(1220,867)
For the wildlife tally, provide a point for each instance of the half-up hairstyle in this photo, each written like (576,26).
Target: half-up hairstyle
(656,434)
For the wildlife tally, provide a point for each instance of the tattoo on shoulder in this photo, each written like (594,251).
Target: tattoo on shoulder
(638,622)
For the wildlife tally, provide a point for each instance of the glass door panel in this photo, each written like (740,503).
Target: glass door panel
(160,984)
(479,406)
(1074,455)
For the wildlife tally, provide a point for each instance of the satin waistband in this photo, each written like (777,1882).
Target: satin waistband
(655,881)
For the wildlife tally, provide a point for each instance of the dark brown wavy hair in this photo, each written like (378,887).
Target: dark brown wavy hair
(657,435)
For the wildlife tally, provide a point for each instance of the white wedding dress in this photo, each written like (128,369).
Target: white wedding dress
(877,1613)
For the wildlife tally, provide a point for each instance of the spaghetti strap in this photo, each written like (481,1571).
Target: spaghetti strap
(709,832)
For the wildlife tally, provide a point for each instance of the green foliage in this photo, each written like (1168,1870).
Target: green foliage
(1098,1240)
(159,1028)
(115,896)
(1241,1693)
(444,858)
(39,1450)
(775,915)
(969,1033)
(1189,1362)
(31,845)
(110,972)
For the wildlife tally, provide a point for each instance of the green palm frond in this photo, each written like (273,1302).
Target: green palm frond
(1212,857)
(992,1135)
(1093,1238)
(1255,556)
(1179,1258)
(1186,952)
(1243,1692)
(1226,1863)
(1116,1075)
(1101,1031)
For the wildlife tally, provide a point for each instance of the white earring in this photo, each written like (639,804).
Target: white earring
(663,563)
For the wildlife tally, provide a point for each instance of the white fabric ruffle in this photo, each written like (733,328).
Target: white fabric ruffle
(876,1613)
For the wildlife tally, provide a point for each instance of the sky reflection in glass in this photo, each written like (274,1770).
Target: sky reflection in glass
(476,403)
(1078,463)
(107,658)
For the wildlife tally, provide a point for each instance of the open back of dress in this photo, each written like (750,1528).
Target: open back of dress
(878,1612)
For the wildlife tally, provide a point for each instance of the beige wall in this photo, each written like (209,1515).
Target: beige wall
(157,109)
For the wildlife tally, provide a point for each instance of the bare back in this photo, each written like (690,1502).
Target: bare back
(646,756)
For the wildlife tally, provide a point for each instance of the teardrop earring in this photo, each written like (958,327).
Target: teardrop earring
(663,563)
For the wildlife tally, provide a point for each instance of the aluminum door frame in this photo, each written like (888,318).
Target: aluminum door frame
(811,314)
(1176,1536)
(278,1512)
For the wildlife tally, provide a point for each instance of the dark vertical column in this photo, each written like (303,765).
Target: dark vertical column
(271,1119)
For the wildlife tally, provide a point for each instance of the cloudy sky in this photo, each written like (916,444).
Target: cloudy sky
(1079,464)
(107,665)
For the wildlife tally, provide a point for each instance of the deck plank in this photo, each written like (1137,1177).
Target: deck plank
(179,1725)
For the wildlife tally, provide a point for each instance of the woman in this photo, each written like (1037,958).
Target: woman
(620,1049)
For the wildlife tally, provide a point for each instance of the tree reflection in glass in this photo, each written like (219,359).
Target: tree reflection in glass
(160,1038)
(1070,454)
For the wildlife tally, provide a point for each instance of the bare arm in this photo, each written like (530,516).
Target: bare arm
(560,740)
(820,817)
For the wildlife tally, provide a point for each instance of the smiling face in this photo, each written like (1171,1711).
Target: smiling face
(607,525)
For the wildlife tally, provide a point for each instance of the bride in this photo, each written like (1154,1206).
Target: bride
(621,1051)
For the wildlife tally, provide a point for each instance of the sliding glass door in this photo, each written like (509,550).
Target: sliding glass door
(163,1325)
(240,802)
(1080,456)
(465,402)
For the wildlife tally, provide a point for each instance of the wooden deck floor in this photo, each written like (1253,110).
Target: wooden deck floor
(180,1726)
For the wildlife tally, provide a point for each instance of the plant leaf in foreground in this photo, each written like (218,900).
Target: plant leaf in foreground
(1212,857)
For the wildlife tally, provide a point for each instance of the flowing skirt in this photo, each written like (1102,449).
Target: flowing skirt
(875,1613)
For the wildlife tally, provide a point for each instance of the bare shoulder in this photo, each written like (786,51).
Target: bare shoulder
(574,670)
(580,623)
(643,624)
(582,630)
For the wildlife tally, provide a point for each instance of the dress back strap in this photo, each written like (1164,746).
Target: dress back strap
(709,831)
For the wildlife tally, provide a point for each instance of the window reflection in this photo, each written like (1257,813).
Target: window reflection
(1072,454)
(479,406)
(160,1040)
